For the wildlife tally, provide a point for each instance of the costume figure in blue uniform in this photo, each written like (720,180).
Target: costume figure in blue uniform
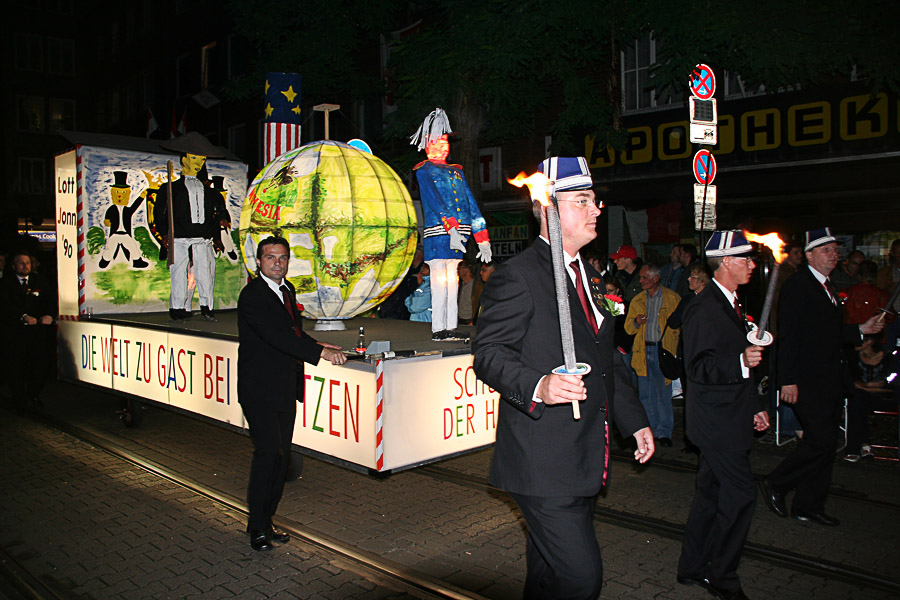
(451,215)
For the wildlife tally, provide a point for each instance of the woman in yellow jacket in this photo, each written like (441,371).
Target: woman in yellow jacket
(654,390)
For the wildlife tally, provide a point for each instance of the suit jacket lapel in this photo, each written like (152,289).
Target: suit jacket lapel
(727,307)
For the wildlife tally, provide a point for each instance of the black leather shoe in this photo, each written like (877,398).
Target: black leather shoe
(728,594)
(774,499)
(701,581)
(816,517)
(260,541)
(723,593)
(278,535)
(664,442)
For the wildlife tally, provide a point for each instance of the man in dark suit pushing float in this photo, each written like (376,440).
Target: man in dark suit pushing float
(272,350)
(553,465)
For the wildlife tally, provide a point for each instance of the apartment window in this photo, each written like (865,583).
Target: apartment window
(208,70)
(184,78)
(734,87)
(636,61)
(63,7)
(61,115)
(31,176)
(61,56)
(29,52)
(237,139)
(30,113)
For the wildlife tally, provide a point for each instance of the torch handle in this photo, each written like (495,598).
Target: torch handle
(560,279)
(770,297)
(562,293)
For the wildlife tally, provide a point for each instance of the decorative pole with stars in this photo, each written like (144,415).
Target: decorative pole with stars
(283,114)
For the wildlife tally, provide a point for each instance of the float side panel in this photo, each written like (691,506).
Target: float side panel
(337,417)
(435,407)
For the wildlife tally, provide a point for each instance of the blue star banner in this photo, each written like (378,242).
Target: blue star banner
(282,114)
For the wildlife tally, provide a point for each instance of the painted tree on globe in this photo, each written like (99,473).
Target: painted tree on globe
(350,223)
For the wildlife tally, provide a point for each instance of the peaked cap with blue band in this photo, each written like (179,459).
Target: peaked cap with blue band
(818,237)
(729,243)
(569,172)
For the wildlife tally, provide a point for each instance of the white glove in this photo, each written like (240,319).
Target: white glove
(457,241)
(484,252)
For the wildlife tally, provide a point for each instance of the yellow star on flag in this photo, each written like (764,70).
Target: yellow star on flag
(267,87)
(290,94)
(269,110)
(296,110)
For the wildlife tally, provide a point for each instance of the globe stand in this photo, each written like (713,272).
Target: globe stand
(330,325)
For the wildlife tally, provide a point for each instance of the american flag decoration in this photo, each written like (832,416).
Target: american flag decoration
(283,116)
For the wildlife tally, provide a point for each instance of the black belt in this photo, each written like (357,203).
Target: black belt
(651,343)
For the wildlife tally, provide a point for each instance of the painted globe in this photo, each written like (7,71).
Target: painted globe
(348,218)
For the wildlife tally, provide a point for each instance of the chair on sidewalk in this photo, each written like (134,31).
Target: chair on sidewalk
(895,455)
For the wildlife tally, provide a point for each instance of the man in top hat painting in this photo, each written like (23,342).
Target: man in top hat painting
(118,219)
(810,335)
(196,224)
(723,409)
(451,214)
(553,465)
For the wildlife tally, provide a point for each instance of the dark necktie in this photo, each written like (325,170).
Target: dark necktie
(579,287)
(24,282)
(288,306)
(737,309)
(829,289)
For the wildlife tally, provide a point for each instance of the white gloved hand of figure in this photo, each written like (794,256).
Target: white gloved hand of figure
(457,240)
(484,252)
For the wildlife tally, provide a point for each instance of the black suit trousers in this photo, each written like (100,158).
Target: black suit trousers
(808,469)
(562,555)
(720,517)
(271,432)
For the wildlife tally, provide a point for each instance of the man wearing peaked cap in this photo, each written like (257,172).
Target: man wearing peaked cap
(810,336)
(722,410)
(553,465)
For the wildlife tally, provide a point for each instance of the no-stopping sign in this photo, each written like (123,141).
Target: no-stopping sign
(703,82)
(704,167)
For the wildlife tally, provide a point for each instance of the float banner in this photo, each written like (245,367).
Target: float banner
(121,266)
(67,233)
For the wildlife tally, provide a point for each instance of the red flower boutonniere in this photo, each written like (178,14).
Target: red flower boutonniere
(842,297)
(614,304)
(299,309)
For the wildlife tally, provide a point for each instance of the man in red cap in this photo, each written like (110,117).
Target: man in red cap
(626,259)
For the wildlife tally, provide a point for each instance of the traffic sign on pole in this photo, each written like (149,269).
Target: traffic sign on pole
(704,207)
(704,120)
(704,167)
(703,82)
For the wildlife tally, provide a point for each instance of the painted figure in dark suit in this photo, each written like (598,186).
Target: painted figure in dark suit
(27,305)
(812,379)
(272,350)
(195,218)
(723,409)
(551,464)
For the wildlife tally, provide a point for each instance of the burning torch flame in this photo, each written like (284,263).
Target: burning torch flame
(770,240)
(538,186)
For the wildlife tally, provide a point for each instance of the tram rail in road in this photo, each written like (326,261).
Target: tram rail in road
(417,583)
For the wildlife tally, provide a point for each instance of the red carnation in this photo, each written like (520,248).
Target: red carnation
(613,297)
(749,318)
